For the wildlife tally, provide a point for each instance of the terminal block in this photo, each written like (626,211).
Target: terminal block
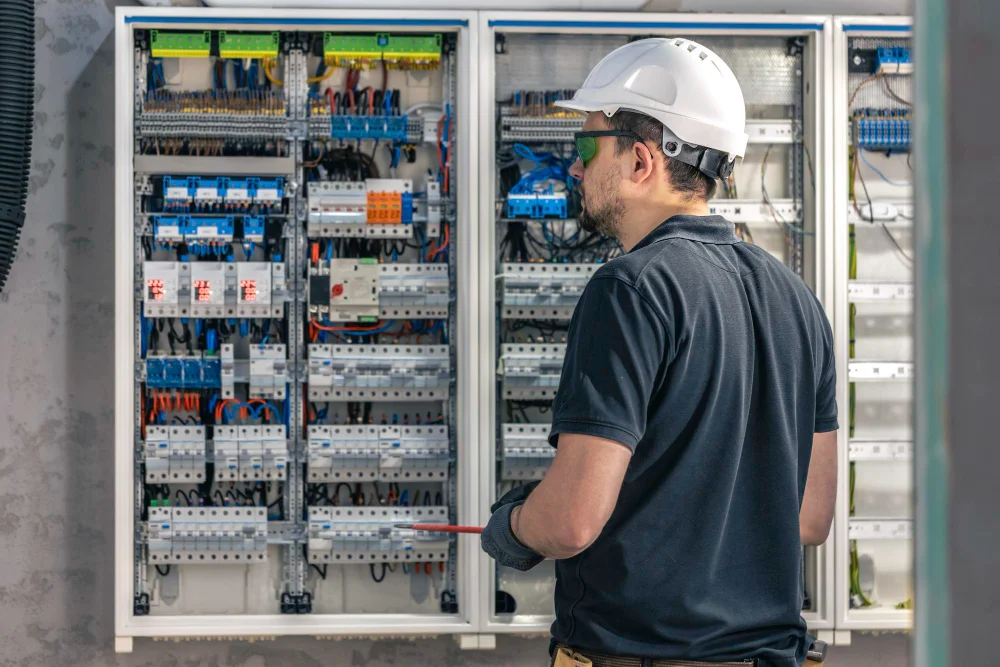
(176,371)
(175,454)
(170,228)
(893,60)
(526,453)
(882,129)
(206,535)
(379,372)
(394,51)
(413,291)
(268,371)
(531,371)
(247,45)
(520,129)
(346,535)
(537,206)
(352,453)
(212,193)
(251,453)
(180,44)
(543,291)
(205,229)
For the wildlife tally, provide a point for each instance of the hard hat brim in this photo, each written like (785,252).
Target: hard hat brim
(578,106)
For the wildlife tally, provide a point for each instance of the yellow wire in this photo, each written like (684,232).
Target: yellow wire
(323,77)
(267,72)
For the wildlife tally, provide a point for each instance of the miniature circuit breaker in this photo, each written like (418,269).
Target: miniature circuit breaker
(370,534)
(543,291)
(526,453)
(166,291)
(531,371)
(338,209)
(379,372)
(251,453)
(175,454)
(206,535)
(352,453)
(413,291)
(266,371)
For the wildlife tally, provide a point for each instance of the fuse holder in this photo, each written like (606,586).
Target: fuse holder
(385,208)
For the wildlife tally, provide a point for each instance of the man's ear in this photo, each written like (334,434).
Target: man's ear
(643,163)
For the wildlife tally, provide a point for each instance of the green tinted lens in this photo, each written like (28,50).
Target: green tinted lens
(587,148)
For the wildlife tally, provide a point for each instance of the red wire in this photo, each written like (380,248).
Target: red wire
(329,96)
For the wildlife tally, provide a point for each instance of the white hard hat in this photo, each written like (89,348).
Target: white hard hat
(679,83)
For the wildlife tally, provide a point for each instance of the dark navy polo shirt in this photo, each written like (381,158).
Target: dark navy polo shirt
(713,363)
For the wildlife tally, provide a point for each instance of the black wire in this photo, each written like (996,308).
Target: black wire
(377,580)
(161,572)
(871,214)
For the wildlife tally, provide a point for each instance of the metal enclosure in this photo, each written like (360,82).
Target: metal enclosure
(873,241)
(275,597)
(782,63)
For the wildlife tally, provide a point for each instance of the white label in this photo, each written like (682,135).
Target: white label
(237,194)
(268,195)
(207,232)
(206,193)
(166,231)
(176,193)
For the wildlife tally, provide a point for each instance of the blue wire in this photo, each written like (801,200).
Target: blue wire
(329,251)
(898,184)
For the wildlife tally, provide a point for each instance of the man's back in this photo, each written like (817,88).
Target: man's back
(700,558)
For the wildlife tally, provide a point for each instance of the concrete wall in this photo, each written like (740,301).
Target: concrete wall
(56,484)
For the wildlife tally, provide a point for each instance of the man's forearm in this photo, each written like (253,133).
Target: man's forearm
(545,532)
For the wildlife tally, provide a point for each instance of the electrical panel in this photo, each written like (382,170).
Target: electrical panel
(542,258)
(874,229)
(292,265)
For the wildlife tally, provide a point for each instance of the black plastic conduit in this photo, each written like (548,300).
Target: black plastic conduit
(17,95)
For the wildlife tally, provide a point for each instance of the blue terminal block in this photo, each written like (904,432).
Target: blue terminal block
(170,228)
(893,60)
(537,207)
(183,372)
(208,190)
(204,228)
(383,128)
(406,207)
(883,129)
(239,192)
(178,191)
(267,191)
(253,228)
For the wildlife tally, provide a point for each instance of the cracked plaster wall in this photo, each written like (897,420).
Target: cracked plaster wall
(56,485)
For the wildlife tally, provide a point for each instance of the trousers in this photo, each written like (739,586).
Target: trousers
(567,657)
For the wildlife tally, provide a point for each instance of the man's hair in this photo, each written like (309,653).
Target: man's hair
(684,178)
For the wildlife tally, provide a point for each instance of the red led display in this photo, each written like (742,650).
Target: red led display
(155,288)
(203,290)
(249,290)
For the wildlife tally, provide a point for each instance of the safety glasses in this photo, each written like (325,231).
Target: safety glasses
(586,142)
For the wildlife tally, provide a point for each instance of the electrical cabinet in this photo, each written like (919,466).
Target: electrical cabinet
(294,322)
(535,261)
(873,237)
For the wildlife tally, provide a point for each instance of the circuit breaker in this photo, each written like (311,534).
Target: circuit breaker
(293,270)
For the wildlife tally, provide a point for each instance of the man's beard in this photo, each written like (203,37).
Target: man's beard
(607,219)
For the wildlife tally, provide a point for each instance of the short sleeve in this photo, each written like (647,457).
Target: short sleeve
(616,346)
(826,388)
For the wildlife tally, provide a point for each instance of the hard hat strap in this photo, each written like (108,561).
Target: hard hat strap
(712,163)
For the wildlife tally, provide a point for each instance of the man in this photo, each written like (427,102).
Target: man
(696,418)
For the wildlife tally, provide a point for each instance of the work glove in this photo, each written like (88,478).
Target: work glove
(498,538)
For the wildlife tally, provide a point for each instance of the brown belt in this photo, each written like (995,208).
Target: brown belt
(567,657)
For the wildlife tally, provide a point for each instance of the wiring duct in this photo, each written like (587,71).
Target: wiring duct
(17,91)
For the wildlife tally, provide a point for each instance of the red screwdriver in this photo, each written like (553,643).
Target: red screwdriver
(440,527)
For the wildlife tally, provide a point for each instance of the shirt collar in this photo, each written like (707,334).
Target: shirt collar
(712,229)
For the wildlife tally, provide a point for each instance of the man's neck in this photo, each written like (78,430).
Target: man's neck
(639,223)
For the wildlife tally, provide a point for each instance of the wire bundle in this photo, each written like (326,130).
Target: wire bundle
(17,81)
